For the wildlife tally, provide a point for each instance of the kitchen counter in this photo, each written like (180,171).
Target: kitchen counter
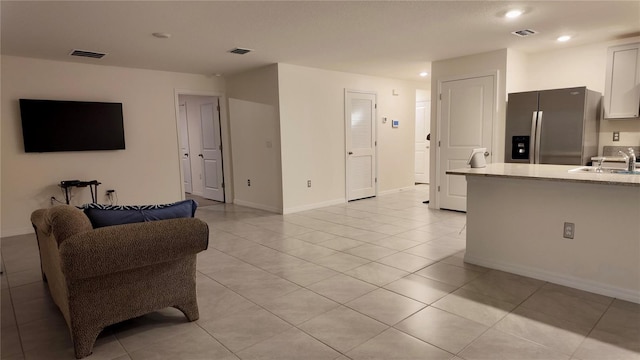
(548,172)
(516,216)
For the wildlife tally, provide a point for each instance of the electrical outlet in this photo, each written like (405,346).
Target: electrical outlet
(569,230)
(308,183)
(616,136)
(248,182)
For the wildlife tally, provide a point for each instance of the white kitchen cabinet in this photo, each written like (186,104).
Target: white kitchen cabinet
(622,88)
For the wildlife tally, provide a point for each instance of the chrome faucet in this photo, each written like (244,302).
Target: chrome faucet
(629,160)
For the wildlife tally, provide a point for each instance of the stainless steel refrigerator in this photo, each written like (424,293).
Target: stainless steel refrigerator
(558,126)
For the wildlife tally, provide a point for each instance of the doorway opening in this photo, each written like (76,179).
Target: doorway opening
(201,148)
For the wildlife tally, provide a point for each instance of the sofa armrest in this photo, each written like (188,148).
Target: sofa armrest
(61,221)
(122,247)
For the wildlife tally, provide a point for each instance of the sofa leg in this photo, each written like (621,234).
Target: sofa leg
(190,310)
(83,341)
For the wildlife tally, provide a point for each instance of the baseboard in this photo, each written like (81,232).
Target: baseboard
(314,206)
(394,191)
(560,279)
(16,231)
(257,206)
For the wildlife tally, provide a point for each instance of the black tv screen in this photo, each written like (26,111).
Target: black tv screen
(53,125)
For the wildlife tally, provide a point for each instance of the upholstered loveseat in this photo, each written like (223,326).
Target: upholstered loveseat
(102,276)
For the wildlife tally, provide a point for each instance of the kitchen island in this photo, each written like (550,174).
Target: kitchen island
(515,222)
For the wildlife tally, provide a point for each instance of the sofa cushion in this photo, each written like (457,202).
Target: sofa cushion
(108,215)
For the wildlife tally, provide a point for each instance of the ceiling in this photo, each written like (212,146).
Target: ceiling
(395,39)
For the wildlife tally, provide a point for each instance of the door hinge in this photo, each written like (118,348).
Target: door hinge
(440,96)
(375,106)
(438,143)
(218,107)
(220,147)
(438,188)
(376,179)
(223,185)
(375,143)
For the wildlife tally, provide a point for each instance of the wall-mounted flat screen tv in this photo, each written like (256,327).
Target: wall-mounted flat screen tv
(53,125)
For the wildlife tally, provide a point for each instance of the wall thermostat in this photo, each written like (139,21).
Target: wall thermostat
(395,123)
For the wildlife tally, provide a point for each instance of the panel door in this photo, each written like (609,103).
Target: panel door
(423,128)
(360,145)
(184,148)
(467,111)
(211,152)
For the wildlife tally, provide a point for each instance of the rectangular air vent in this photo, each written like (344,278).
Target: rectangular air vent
(86,53)
(239,51)
(525,32)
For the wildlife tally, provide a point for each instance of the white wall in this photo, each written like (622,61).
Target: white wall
(312,128)
(146,172)
(255,138)
(582,66)
(467,66)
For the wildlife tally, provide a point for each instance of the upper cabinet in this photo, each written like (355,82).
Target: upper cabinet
(622,89)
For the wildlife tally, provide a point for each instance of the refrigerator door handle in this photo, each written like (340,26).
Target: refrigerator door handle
(538,137)
(532,140)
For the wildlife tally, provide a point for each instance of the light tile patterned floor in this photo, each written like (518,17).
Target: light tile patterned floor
(379,278)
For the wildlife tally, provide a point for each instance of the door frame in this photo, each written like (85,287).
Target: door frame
(375,134)
(438,123)
(225,136)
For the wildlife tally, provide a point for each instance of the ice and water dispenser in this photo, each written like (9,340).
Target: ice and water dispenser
(520,147)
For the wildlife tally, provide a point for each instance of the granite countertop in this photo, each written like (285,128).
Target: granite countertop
(548,172)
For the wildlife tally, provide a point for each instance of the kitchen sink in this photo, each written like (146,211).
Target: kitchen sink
(593,169)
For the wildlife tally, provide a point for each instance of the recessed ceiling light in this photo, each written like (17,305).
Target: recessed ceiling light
(564,38)
(513,14)
(161,35)
(424,73)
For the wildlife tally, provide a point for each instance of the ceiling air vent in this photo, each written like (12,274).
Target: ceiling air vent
(239,51)
(525,32)
(85,53)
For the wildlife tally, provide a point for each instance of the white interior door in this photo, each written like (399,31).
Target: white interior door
(184,148)
(211,152)
(467,111)
(360,113)
(423,128)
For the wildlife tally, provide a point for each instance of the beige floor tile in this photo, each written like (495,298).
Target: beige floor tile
(298,345)
(603,345)
(263,236)
(311,252)
(458,260)
(385,306)
(504,286)
(341,288)
(340,243)
(24,277)
(497,345)
(368,236)
(146,330)
(377,274)
(440,229)
(474,306)
(195,344)
(35,304)
(564,304)
(449,274)
(562,336)
(431,252)
(229,243)
(240,331)
(442,329)
(393,344)
(10,341)
(304,274)
(342,328)
(260,291)
(315,236)
(341,262)
(406,262)
(371,252)
(421,289)
(106,347)
(285,244)
(417,236)
(450,241)
(621,319)
(395,243)
(299,306)
(216,301)
(7,317)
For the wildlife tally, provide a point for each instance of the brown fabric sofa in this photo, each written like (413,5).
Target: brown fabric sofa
(103,276)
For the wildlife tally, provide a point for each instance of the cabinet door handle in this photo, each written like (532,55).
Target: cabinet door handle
(202,156)
(350,152)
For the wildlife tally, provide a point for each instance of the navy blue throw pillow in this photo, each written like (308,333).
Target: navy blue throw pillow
(108,215)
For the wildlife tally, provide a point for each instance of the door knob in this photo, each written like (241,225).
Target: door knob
(486,153)
(202,156)
(187,155)
(350,152)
